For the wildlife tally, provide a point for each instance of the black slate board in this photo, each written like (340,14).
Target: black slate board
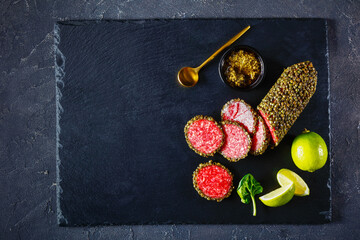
(122,157)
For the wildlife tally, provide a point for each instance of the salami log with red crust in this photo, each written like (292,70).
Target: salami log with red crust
(237,141)
(204,135)
(236,110)
(261,138)
(213,181)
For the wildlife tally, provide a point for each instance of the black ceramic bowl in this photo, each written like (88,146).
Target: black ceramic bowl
(247,49)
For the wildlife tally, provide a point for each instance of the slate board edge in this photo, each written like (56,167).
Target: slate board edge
(79,22)
(59,61)
(59,75)
(328,215)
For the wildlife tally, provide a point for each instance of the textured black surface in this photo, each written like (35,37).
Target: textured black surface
(123,155)
(27,115)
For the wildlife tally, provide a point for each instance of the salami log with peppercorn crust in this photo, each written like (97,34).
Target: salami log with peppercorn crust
(204,135)
(261,138)
(236,110)
(213,181)
(237,141)
(287,99)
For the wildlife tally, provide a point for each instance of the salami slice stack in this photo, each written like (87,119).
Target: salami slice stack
(277,112)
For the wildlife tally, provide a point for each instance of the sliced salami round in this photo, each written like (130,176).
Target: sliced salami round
(213,181)
(237,141)
(204,135)
(237,110)
(260,140)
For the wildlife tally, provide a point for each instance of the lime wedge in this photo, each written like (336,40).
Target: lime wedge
(279,197)
(286,177)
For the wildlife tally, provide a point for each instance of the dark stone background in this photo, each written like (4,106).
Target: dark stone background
(27,115)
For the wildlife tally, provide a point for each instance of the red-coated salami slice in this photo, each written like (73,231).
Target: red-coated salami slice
(260,140)
(213,181)
(237,141)
(237,110)
(204,135)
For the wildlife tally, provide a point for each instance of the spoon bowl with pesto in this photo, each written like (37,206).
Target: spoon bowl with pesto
(242,67)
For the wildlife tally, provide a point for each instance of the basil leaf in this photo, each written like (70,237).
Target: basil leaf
(247,189)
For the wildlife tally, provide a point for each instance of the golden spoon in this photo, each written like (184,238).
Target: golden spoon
(188,76)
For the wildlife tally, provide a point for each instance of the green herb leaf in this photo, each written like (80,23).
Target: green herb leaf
(247,189)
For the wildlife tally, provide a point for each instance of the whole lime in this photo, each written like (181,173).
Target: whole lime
(309,151)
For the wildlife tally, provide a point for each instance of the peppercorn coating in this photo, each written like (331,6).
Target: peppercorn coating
(287,98)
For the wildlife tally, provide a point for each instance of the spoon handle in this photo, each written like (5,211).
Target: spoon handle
(233,39)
